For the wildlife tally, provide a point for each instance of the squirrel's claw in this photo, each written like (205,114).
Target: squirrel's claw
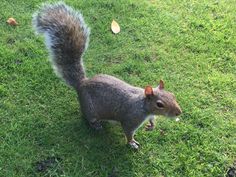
(149,127)
(134,144)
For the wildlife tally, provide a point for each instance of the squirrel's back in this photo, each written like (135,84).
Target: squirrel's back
(66,37)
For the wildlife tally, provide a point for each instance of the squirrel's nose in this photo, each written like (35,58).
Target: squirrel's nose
(178,112)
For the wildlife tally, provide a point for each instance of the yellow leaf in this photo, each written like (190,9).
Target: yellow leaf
(115,27)
(12,21)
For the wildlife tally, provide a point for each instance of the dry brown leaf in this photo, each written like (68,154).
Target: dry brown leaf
(115,27)
(12,21)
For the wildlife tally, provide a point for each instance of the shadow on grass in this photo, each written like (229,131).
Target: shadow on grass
(86,152)
(106,149)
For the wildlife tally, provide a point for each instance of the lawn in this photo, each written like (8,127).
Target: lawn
(189,44)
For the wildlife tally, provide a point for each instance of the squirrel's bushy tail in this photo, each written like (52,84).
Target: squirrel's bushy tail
(66,37)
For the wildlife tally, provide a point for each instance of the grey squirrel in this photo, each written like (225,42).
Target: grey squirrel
(102,97)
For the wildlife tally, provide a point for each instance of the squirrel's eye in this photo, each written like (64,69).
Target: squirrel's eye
(160,104)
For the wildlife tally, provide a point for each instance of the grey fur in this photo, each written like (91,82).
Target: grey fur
(66,37)
(102,97)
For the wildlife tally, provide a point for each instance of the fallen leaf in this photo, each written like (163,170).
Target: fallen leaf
(115,27)
(152,1)
(12,21)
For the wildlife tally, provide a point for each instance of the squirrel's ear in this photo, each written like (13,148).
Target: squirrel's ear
(148,91)
(161,85)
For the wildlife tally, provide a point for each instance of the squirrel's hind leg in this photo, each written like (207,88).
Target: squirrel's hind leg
(89,112)
(91,116)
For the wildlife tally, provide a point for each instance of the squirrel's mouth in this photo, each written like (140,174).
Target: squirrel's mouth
(172,115)
(177,119)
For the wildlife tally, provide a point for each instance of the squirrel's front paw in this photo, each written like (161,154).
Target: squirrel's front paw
(134,144)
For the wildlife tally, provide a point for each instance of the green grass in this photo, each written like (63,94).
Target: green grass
(189,44)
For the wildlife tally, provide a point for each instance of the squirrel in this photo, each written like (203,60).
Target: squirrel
(102,97)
